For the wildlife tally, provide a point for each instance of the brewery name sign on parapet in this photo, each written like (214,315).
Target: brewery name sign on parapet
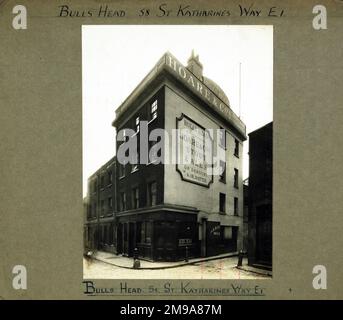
(200,88)
(194,149)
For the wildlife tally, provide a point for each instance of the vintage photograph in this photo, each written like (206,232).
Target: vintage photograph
(177,151)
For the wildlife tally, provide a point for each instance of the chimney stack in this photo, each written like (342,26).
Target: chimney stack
(195,66)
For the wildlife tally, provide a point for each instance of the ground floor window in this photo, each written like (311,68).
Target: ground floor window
(144,231)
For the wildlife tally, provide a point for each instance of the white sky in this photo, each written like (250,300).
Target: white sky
(116,58)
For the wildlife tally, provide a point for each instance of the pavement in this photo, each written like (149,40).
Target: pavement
(127,263)
(259,271)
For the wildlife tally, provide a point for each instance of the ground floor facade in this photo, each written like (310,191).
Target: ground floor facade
(165,233)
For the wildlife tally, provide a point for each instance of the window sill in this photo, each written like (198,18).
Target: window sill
(122,177)
(222,181)
(236,155)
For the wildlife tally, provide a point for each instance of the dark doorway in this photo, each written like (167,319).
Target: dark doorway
(165,241)
(264,234)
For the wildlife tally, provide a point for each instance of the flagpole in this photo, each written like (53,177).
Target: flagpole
(239,101)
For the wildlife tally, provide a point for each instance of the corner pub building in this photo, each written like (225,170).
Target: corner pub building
(169,211)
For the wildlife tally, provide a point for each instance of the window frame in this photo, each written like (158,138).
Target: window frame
(235,206)
(222,176)
(222,197)
(236,150)
(236,178)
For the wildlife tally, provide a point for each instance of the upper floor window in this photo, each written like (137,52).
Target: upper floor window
(222,176)
(109,177)
(135,198)
(153,111)
(122,201)
(236,152)
(235,181)
(222,201)
(110,203)
(95,186)
(94,210)
(222,138)
(235,207)
(102,181)
(152,192)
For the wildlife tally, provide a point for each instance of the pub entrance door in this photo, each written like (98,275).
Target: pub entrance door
(165,240)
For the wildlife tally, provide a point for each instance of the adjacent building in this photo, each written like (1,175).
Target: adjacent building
(166,209)
(260,196)
(100,228)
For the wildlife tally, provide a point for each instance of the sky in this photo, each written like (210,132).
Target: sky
(116,58)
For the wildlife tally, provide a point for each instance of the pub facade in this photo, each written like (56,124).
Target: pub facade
(166,209)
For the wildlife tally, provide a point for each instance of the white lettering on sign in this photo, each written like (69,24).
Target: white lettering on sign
(197,86)
(185,242)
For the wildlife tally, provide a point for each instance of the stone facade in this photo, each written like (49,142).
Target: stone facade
(159,212)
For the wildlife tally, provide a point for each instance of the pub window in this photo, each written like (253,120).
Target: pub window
(235,183)
(222,138)
(109,177)
(226,233)
(222,176)
(110,204)
(102,181)
(142,232)
(148,230)
(236,152)
(153,111)
(122,201)
(102,205)
(138,232)
(235,207)
(145,229)
(152,188)
(222,198)
(135,198)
